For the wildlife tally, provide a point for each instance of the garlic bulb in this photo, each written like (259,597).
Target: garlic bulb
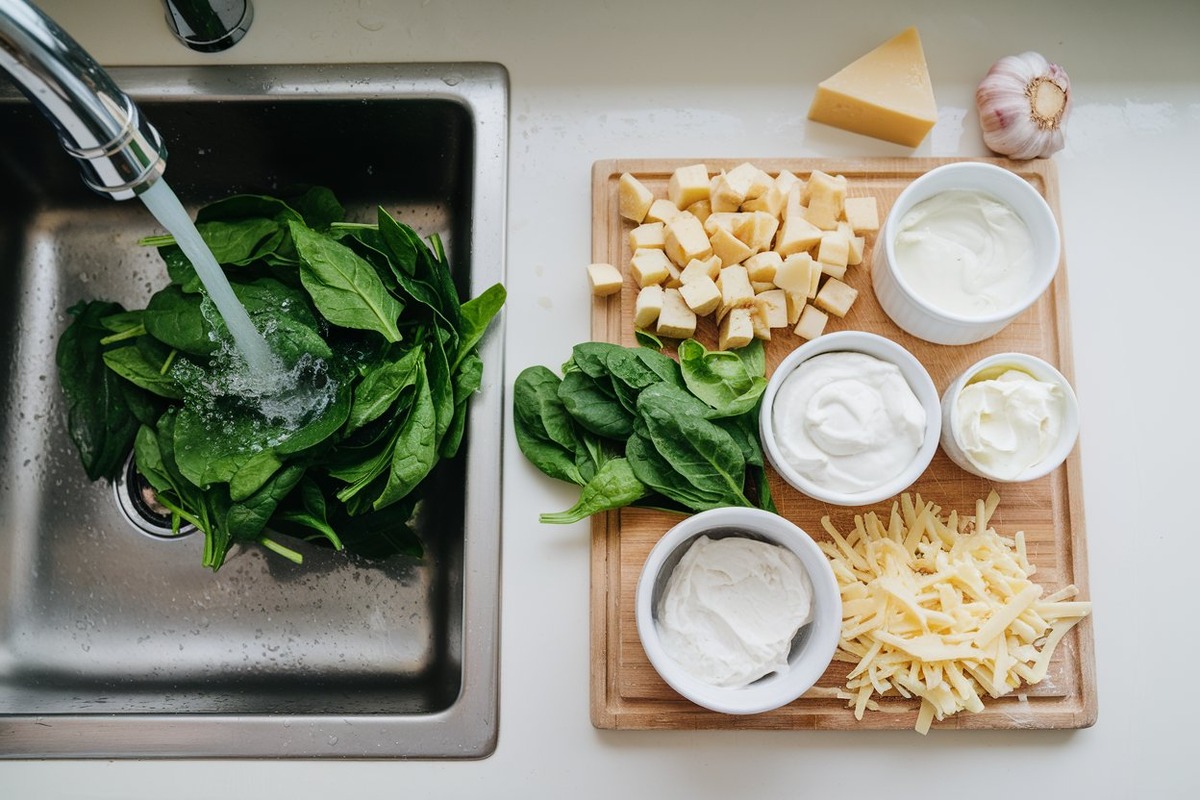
(1023,102)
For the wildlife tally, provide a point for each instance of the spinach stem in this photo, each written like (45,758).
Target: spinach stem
(128,333)
(276,547)
(170,359)
(179,512)
(161,240)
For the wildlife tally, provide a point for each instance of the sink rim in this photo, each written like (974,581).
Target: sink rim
(469,727)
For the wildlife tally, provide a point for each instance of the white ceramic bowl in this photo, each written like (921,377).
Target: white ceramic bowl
(990,366)
(915,375)
(914,314)
(814,645)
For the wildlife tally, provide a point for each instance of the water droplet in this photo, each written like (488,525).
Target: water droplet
(452,79)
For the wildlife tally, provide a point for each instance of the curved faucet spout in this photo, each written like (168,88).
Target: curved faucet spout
(119,152)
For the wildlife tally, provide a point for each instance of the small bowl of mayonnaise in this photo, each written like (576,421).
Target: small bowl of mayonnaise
(1010,418)
(738,610)
(965,249)
(850,418)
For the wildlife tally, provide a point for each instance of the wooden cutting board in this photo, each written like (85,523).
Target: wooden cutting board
(626,692)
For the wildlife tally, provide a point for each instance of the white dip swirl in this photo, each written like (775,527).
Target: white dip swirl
(1008,424)
(731,609)
(965,252)
(847,421)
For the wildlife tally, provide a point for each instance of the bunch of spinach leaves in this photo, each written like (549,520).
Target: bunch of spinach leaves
(633,426)
(367,320)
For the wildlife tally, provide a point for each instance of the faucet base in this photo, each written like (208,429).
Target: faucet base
(209,26)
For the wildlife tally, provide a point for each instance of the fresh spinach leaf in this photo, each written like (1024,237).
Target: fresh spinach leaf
(415,450)
(180,269)
(441,386)
(595,406)
(648,340)
(702,452)
(252,474)
(319,207)
(248,206)
(592,453)
(412,254)
(149,460)
(430,264)
(614,486)
(592,358)
(381,387)
(660,476)
(345,288)
(362,466)
(99,419)
(545,431)
(379,534)
(243,241)
(308,514)
(178,320)
(754,356)
(720,378)
(130,363)
(123,323)
(247,518)
(467,380)
(476,314)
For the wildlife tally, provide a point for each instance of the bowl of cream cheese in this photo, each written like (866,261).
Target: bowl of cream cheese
(850,418)
(966,248)
(738,610)
(1010,417)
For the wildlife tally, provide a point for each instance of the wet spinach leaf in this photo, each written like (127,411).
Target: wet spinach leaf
(100,420)
(176,318)
(345,288)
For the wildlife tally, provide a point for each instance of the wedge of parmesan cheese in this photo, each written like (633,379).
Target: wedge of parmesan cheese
(885,93)
(941,608)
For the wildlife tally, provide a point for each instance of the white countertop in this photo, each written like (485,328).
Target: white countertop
(614,78)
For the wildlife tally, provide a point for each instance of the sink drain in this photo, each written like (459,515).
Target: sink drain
(137,501)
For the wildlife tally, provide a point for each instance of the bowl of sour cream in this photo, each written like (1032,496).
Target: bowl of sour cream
(1010,417)
(738,610)
(850,418)
(967,247)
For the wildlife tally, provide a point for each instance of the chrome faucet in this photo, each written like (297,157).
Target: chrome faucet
(209,26)
(120,153)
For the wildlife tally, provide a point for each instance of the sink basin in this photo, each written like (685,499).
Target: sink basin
(115,643)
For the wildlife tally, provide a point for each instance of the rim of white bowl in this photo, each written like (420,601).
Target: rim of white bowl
(1020,186)
(1041,370)
(884,349)
(772,691)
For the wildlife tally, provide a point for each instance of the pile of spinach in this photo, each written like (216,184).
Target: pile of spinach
(633,426)
(368,319)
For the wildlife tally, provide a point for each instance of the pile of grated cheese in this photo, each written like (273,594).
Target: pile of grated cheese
(941,608)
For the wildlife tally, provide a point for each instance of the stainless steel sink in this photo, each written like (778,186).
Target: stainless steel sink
(115,643)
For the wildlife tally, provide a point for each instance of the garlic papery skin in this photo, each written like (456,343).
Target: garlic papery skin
(1023,102)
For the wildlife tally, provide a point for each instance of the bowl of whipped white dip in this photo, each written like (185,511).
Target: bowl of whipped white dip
(1010,417)
(738,610)
(850,418)
(966,248)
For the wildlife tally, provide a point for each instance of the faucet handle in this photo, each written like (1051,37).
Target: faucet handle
(209,26)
